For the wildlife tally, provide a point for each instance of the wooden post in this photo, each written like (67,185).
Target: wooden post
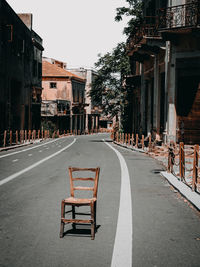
(25,136)
(38,134)
(117,137)
(122,138)
(20,136)
(4,138)
(136,144)
(10,138)
(150,143)
(16,137)
(132,139)
(143,142)
(129,139)
(125,138)
(195,168)
(29,135)
(169,159)
(181,161)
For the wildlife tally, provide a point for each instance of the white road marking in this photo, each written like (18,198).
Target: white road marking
(47,147)
(30,155)
(122,252)
(24,150)
(40,150)
(15,160)
(15,175)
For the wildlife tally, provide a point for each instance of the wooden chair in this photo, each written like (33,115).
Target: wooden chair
(76,202)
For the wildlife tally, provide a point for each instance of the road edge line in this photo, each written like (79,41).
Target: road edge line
(122,252)
(15,175)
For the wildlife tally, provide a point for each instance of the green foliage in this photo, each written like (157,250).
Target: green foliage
(108,88)
(134,11)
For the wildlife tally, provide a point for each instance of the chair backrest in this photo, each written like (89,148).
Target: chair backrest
(93,179)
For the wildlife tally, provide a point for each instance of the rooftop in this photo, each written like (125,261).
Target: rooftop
(51,70)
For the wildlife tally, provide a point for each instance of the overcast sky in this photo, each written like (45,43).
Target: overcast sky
(74,31)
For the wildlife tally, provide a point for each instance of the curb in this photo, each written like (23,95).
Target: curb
(186,191)
(131,148)
(21,145)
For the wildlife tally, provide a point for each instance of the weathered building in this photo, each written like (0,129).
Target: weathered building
(63,97)
(93,111)
(20,71)
(165,55)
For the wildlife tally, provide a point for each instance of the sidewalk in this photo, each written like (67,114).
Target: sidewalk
(186,191)
(19,145)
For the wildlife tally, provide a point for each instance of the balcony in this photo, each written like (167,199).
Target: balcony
(148,30)
(180,18)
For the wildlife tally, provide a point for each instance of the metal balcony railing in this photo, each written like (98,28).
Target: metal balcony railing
(148,29)
(181,16)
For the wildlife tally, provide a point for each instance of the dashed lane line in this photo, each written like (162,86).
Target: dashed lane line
(15,175)
(24,150)
(14,160)
(122,252)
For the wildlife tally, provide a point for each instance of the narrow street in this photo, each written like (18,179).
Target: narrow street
(34,179)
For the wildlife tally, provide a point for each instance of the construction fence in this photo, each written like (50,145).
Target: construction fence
(13,138)
(181,160)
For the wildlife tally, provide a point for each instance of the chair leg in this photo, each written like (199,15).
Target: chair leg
(93,222)
(95,212)
(62,224)
(73,217)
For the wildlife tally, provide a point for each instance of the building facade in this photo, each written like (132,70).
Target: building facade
(20,71)
(165,56)
(63,97)
(93,111)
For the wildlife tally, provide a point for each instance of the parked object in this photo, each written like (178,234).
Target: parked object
(77,202)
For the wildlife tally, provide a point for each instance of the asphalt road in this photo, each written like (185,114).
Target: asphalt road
(166,230)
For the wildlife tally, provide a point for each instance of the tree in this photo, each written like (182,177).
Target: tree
(134,11)
(108,88)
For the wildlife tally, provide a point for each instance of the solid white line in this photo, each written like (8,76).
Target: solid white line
(15,175)
(24,150)
(122,252)
(15,160)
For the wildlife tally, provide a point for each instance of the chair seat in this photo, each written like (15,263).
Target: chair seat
(83,201)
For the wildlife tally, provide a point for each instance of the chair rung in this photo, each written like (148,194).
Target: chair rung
(83,169)
(75,221)
(82,179)
(83,188)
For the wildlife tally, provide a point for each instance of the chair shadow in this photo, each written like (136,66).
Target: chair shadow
(78,232)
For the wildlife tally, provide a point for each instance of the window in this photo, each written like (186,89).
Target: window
(53,85)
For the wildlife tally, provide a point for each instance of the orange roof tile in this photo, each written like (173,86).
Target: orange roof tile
(51,70)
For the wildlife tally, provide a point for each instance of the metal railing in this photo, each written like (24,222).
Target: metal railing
(181,16)
(147,29)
